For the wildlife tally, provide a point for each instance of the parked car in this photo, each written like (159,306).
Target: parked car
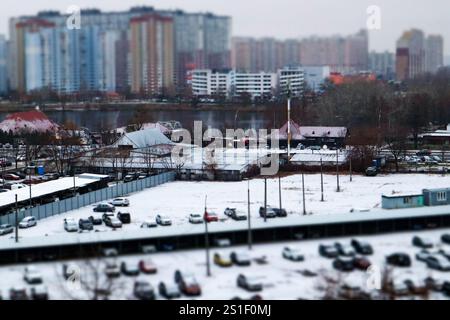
(96,221)
(371,171)
(361,263)
(149,223)
(421,242)
(28,222)
(124,217)
(18,293)
(32,275)
(143,290)
(222,261)
(163,220)
(112,270)
(111,221)
(147,266)
(129,178)
(39,292)
(169,291)
(292,254)
(438,262)
(328,251)
(280,212)
(416,285)
(195,218)
(120,202)
(344,249)
(270,213)
(187,283)
(446,288)
(399,259)
(85,224)
(235,214)
(129,269)
(249,283)
(6,229)
(104,207)
(240,258)
(11,176)
(70,225)
(423,255)
(211,217)
(445,238)
(362,247)
(344,264)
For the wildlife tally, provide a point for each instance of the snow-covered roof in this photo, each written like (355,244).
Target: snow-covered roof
(143,139)
(160,127)
(315,156)
(218,228)
(29,121)
(304,132)
(45,188)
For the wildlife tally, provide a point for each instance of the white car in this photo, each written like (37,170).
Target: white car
(163,220)
(70,225)
(32,275)
(149,223)
(120,202)
(195,218)
(292,254)
(28,222)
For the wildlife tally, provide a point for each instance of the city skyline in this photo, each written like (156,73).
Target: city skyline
(250,20)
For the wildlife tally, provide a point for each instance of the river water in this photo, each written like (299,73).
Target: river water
(97,120)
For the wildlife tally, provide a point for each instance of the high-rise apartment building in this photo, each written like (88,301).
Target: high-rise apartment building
(152,54)
(434,53)
(343,54)
(382,64)
(3,65)
(97,57)
(410,55)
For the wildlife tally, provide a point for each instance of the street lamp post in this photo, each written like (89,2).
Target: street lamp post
(321,179)
(249,217)
(208,267)
(338,189)
(303,193)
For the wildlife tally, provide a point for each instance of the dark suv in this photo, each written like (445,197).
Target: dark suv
(85,224)
(125,217)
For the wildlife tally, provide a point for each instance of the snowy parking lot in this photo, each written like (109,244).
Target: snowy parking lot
(281,278)
(179,199)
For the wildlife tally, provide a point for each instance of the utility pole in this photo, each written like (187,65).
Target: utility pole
(265,199)
(289,119)
(208,267)
(249,217)
(17,221)
(321,180)
(351,171)
(279,190)
(303,192)
(338,189)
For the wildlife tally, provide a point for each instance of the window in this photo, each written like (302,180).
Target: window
(441,196)
(407,200)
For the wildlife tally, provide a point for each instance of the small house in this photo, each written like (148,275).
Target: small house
(436,197)
(397,201)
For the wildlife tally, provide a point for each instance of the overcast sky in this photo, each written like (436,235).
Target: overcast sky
(282,18)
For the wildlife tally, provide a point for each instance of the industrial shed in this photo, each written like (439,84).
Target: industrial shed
(436,197)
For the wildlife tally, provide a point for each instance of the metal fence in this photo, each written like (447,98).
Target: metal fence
(58,207)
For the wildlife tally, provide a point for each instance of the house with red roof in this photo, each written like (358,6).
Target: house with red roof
(34,121)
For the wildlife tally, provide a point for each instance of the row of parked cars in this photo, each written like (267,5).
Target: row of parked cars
(38,291)
(26,223)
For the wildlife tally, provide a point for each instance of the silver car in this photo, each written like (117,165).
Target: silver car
(6,229)
(28,222)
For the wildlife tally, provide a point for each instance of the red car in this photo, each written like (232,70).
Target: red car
(10,176)
(211,217)
(361,263)
(147,267)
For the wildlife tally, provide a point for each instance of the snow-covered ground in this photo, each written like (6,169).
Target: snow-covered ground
(179,199)
(281,278)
